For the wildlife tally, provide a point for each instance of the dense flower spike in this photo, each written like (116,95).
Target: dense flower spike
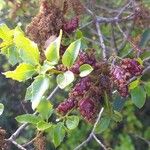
(64,107)
(88,91)
(132,66)
(81,87)
(119,78)
(48,22)
(127,69)
(88,108)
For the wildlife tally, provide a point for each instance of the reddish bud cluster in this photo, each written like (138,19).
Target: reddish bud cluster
(71,25)
(81,87)
(127,69)
(132,66)
(83,58)
(87,93)
(66,106)
(88,109)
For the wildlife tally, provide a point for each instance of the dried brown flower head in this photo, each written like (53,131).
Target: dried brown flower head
(40,142)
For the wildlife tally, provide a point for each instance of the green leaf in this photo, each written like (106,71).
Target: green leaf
(52,51)
(118,103)
(85,70)
(42,125)
(21,73)
(58,134)
(63,80)
(72,122)
(147,88)
(134,84)
(28,95)
(138,96)
(79,34)
(11,53)
(145,38)
(102,125)
(140,61)
(39,87)
(5,33)
(46,67)
(45,109)
(28,118)
(117,116)
(1,108)
(71,53)
(28,50)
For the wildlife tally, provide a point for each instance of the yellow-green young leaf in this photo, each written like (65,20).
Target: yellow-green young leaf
(41,126)
(140,61)
(134,84)
(28,118)
(138,96)
(52,51)
(1,108)
(5,33)
(39,87)
(21,73)
(85,70)
(12,54)
(28,50)
(71,53)
(63,80)
(72,122)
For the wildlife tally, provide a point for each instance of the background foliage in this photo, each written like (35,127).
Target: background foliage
(133,132)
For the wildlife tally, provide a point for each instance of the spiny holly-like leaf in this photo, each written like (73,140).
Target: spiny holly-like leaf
(85,70)
(52,51)
(39,87)
(63,80)
(1,108)
(71,53)
(21,73)
(28,118)
(138,96)
(72,122)
(42,125)
(45,109)
(58,134)
(28,50)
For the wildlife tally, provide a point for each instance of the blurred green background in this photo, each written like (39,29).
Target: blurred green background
(132,133)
